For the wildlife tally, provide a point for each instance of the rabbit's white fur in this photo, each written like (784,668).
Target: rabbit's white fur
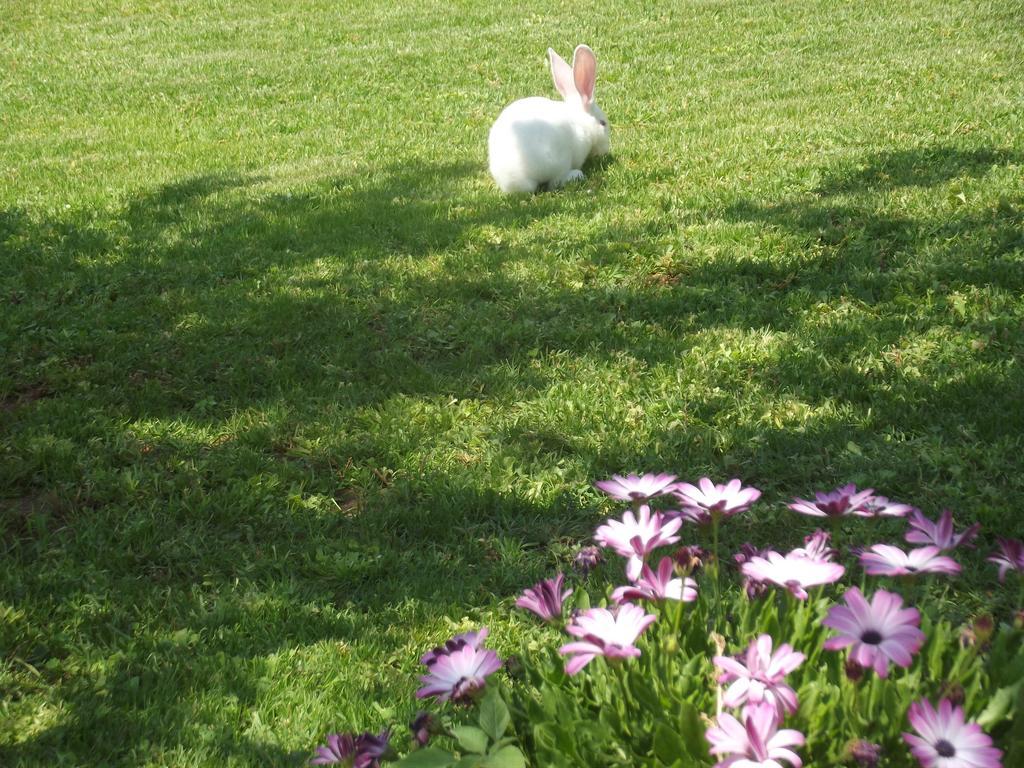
(539,141)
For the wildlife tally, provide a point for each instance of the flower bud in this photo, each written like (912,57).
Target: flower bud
(587,559)
(514,667)
(978,633)
(863,754)
(688,560)
(423,726)
(952,691)
(854,671)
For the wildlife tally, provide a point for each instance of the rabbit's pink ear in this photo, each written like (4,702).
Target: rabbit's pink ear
(562,74)
(584,73)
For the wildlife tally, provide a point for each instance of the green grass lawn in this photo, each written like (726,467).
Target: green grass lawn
(290,393)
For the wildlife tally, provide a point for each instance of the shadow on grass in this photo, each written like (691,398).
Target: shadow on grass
(166,362)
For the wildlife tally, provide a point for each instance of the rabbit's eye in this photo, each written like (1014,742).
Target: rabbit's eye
(604,123)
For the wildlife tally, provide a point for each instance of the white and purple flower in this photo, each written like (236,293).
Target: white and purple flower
(545,598)
(817,547)
(758,677)
(603,633)
(474,639)
(362,751)
(887,560)
(944,739)
(878,632)
(757,742)
(458,669)
(880,506)
(939,534)
(701,502)
(794,572)
(634,488)
(658,585)
(636,536)
(841,502)
(1010,557)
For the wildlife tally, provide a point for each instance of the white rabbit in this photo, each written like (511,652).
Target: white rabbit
(539,141)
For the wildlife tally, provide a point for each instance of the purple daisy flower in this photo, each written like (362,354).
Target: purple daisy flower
(794,572)
(700,503)
(938,534)
(816,547)
(755,743)
(880,506)
(473,639)
(878,633)
(752,587)
(886,560)
(545,598)
(945,739)
(603,633)
(340,748)
(362,751)
(633,488)
(1010,557)
(758,678)
(658,585)
(458,675)
(636,536)
(834,504)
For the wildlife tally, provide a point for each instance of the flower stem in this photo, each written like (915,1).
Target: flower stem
(714,555)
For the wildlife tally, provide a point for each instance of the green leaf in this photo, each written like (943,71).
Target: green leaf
(506,757)
(643,692)
(494,716)
(428,757)
(939,636)
(691,730)
(998,706)
(668,745)
(470,738)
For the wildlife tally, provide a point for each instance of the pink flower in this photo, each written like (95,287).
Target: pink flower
(699,504)
(603,633)
(946,740)
(755,743)
(886,560)
(838,503)
(794,572)
(760,678)
(816,547)
(1009,558)
(879,506)
(545,598)
(658,585)
(940,534)
(474,639)
(633,488)
(458,675)
(635,536)
(748,552)
(362,751)
(881,632)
